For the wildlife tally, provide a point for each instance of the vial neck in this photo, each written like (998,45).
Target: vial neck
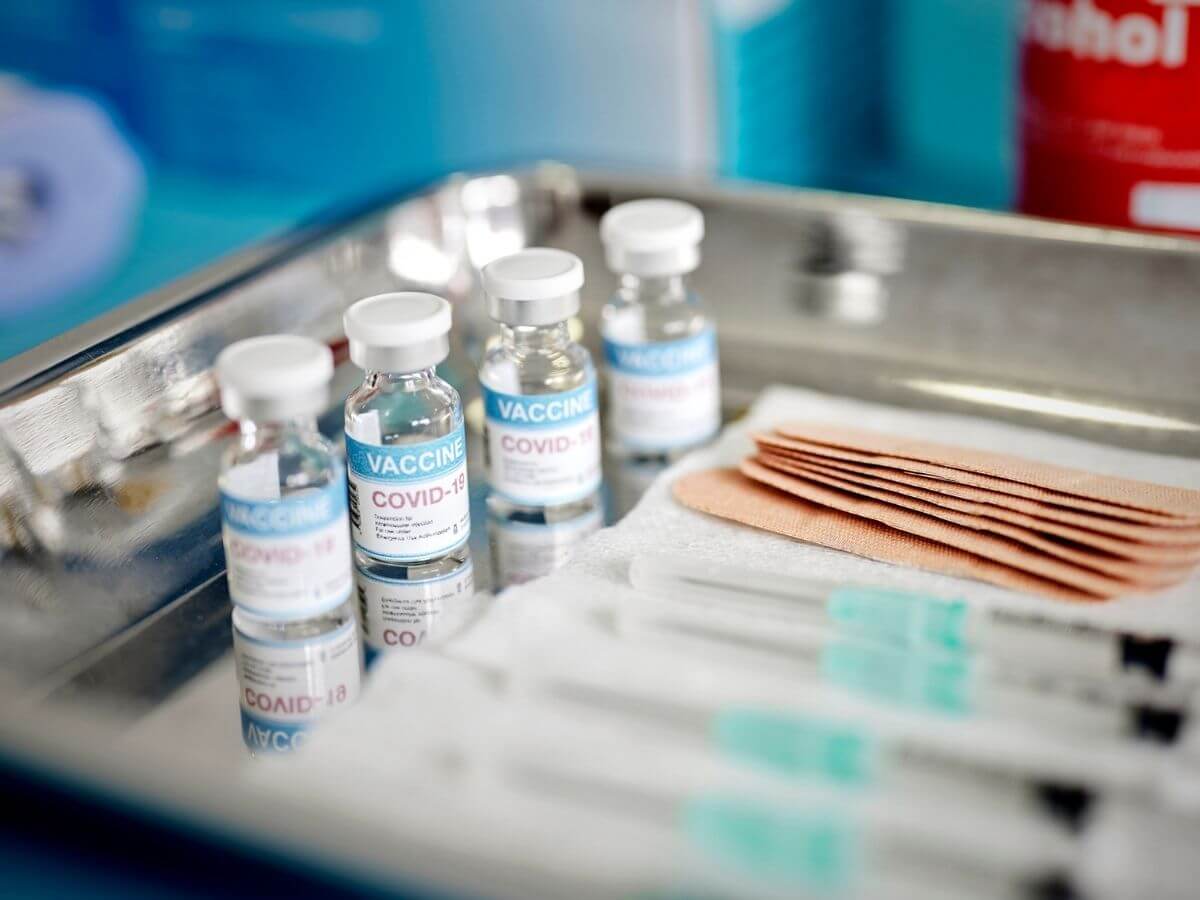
(272,434)
(536,338)
(401,381)
(658,291)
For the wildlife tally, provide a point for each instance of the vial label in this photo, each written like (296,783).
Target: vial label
(543,449)
(286,686)
(409,502)
(664,394)
(397,615)
(289,556)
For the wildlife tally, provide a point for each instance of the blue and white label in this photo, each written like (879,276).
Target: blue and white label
(409,502)
(664,394)
(286,686)
(543,449)
(403,615)
(289,556)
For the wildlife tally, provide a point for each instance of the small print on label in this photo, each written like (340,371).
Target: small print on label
(543,448)
(409,502)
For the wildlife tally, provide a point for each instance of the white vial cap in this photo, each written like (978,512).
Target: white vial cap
(398,332)
(537,286)
(652,238)
(273,378)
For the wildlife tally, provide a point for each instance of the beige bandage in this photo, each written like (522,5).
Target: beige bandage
(1003,550)
(1148,575)
(1134,501)
(1057,531)
(937,490)
(730,495)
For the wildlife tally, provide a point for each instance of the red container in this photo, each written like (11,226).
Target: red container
(1110,112)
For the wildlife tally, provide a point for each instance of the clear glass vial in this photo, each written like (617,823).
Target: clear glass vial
(541,421)
(660,351)
(406,447)
(286,537)
(406,451)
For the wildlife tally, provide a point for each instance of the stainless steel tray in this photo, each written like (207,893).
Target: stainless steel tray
(111,582)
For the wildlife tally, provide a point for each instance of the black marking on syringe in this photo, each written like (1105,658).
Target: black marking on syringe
(1162,725)
(1150,655)
(1069,804)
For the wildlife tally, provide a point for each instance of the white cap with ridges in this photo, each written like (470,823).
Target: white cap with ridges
(536,286)
(652,238)
(276,377)
(400,332)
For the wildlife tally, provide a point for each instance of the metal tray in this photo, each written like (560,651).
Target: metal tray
(111,588)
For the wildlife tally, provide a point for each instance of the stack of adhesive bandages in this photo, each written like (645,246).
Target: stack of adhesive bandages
(1021,524)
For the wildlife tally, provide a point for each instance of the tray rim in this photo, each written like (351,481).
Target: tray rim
(95,339)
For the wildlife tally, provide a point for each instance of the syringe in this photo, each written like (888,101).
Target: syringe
(799,729)
(788,833)
(816,746)
(918,620)
(867,849)
(951,684)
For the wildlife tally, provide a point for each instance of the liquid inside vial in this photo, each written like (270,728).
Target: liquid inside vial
(410,509)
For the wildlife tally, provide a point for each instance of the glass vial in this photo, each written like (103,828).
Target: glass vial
(406,450)
(541,421)
(287,547)
(660,351)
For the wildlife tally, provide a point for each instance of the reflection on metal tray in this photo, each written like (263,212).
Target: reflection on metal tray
(109,436)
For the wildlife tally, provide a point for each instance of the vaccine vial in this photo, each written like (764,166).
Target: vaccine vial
(660,351)
(287,545)
(406,451)
(541,419)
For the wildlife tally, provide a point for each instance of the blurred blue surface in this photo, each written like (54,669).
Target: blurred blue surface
(798,88)
(251,116)
(187,221)
(949,101)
